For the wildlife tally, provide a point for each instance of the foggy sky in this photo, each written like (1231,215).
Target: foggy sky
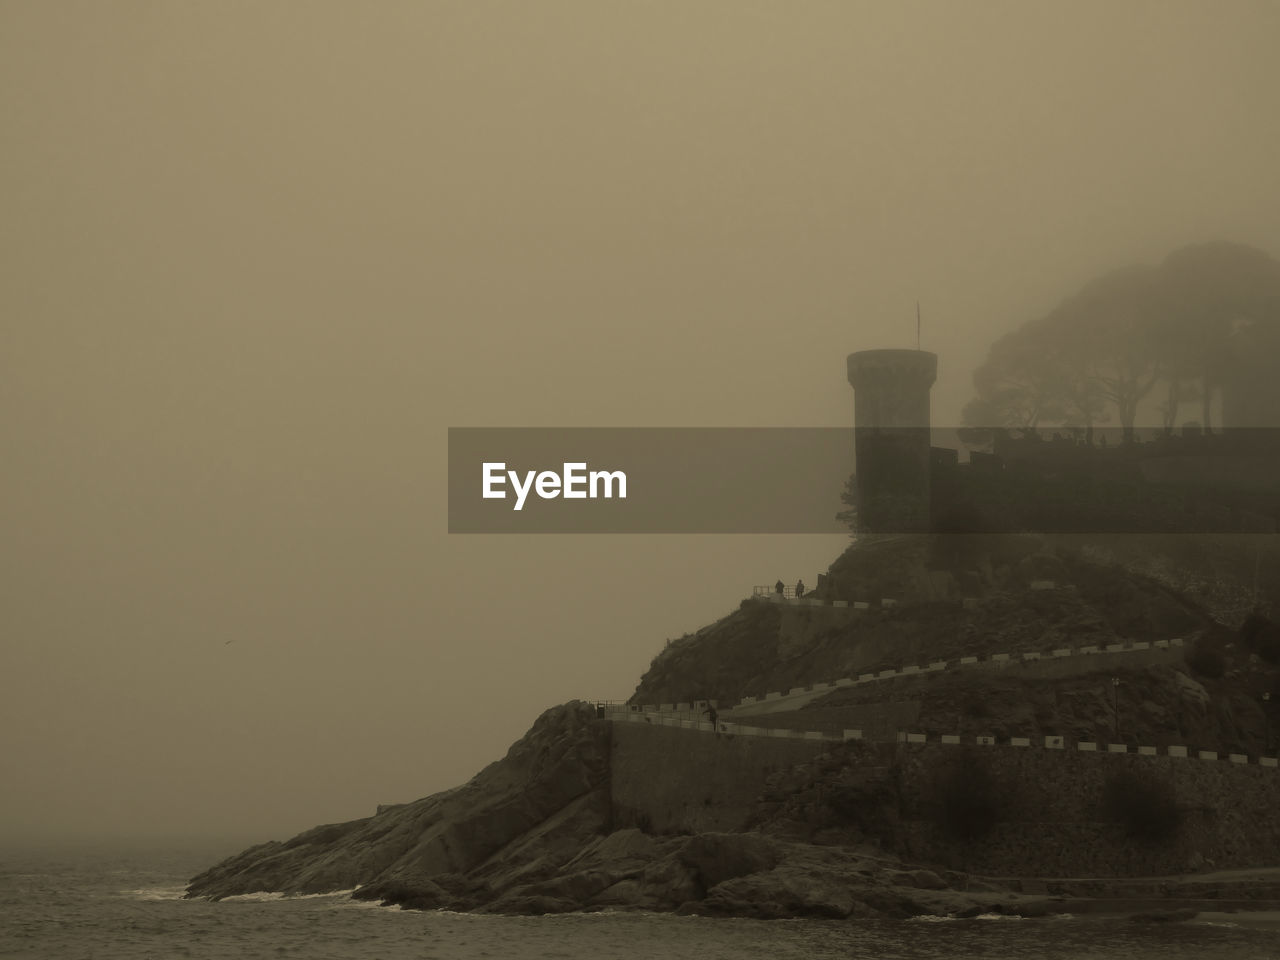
(258,257)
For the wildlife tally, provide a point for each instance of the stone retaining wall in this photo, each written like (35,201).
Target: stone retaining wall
(1062,662)
(672,775)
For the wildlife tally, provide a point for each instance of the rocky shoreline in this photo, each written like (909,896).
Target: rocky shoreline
(534,833)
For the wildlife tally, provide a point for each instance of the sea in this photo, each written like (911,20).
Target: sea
(124,900)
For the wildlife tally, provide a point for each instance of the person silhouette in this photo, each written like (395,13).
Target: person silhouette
(712,716)
(780,588)
(799,588)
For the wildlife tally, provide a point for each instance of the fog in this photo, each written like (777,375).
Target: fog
(257,258)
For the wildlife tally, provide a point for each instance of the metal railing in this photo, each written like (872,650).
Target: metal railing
(766,592)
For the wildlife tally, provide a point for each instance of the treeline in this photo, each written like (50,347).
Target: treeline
(1171,334)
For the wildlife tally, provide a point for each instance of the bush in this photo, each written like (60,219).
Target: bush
(870,807)
(1259,635)
(1207,661)
(1141,803)
(968,800)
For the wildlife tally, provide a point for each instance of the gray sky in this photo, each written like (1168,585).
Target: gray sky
(257,257)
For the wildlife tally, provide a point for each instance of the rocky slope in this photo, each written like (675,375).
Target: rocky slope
(532,810)
(1101,600)
(1155,706)
(531,834)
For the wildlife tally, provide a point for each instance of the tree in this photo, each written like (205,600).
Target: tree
(1208,315)
(849,497)
(1083,400)
(1113,322)
(1020,383)
(1214,289)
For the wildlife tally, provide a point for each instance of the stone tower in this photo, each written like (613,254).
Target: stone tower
(891,437)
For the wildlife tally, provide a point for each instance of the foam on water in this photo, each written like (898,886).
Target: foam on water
(157,893)
(264,896)
(365,905)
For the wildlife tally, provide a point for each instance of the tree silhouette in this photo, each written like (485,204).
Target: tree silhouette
(1206,314)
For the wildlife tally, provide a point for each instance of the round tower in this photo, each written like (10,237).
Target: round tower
(891,437)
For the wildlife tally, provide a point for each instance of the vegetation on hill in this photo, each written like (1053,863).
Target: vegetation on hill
(1213,699)
(1171,332)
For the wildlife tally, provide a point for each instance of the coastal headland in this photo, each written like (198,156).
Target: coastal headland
(931,756)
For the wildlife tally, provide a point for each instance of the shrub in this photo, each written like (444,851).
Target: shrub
(870,807)
(1259,635)
(1207,661)
(1141,803)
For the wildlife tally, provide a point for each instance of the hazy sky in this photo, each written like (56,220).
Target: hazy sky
(257,257)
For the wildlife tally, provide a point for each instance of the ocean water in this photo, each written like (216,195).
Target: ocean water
(106,902)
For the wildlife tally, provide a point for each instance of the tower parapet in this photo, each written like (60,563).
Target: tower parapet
(891,437)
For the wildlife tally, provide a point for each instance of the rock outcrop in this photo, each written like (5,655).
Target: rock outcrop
(531,834)
(536,833)
(520,817)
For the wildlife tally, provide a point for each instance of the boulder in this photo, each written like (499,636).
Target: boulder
(781,892)
(1190,689)
(669,882)
(927,880)
(716,857)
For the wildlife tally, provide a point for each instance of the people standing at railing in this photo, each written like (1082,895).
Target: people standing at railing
(799,588)
(713,716)
(780,588)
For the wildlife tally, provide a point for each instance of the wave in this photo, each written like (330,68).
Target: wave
(936,918)
(264,896)
(157,893)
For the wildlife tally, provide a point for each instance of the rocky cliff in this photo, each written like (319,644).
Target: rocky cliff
(537,807)
(556,825)
(532,833)
(1103,595)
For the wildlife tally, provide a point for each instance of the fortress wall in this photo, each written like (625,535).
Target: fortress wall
(671,779)
(1053,826)
(1045,666)
(1055,667)
(674,778)
(877,721)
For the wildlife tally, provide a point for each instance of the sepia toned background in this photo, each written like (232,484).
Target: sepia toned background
(259,257)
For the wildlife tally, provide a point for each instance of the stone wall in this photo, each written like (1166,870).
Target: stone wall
(877,721)
(669,779)
(681,778)
(1065,662)
(1079,661)
(1052,820)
